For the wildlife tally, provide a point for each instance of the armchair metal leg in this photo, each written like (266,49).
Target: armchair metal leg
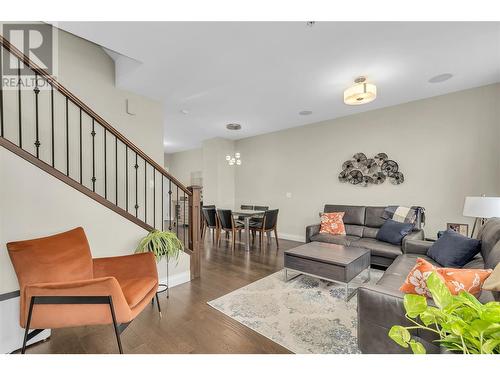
(115,324)
(158,304)
(28,322)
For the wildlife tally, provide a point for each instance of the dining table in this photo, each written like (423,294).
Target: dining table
(247,215)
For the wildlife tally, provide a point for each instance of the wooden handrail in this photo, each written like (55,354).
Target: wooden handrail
(75,100)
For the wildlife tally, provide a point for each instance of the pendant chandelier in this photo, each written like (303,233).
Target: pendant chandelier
(232,160)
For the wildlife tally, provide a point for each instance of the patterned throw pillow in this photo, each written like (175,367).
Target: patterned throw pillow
(332,223)
(416,281)
(456,279)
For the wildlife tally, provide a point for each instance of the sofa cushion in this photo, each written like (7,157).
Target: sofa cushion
(393,232)
(490,242)
(336,239)
(353,214)
(370,232)
(453,249)
(354,230)
(374,217)
(379,248)
(476,262)
(493,257)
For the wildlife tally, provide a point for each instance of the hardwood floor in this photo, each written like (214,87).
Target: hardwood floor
(188,325)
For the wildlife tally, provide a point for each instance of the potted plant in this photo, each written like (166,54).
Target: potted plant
(462,323)
(161,244)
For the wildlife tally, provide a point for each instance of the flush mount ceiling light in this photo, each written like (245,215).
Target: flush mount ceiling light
(305,113)
(233,126)
(440,78)
(360,93)
(232,160)
(185,111)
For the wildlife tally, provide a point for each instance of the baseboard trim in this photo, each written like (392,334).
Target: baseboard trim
(292,237)
(176,279)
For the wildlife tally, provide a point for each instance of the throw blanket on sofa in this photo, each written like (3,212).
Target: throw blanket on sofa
(404,214)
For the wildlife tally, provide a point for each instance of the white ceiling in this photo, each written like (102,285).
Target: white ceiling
(261,74)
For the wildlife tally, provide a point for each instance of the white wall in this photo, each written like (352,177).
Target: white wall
(183,164)
(218,177)
(446,146)
(87,71)
(35,204)
(46,206)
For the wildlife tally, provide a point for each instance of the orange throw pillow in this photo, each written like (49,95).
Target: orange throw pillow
(469,280)
(456,279)
(332,223)
(416,281)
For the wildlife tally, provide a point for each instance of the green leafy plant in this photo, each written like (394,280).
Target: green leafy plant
(161,244)
(462,323)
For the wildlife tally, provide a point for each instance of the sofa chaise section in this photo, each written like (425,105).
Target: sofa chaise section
(380,306)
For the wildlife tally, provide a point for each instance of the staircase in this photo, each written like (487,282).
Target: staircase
(50,127)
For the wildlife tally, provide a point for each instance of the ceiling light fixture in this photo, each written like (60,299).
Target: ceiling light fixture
(233,126)
(185,111)
(232,160)
(360,93)
(440,78)
(305,113)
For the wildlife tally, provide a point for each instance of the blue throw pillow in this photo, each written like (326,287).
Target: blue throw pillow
(453,249)
(393,232)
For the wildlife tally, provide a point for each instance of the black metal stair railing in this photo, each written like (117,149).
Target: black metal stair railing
(52,128)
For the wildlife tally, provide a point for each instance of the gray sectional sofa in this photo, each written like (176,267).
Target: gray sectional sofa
(380,306)
(362,224)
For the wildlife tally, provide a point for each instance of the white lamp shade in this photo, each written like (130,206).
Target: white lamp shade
(482,207)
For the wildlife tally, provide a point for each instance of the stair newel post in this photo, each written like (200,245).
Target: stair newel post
(194,230)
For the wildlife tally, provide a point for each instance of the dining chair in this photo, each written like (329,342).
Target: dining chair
(61,285)
(210,219)
(228,225)
(268,225)
(258,220)
(202,221)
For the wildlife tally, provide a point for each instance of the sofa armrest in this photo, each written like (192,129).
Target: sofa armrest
(416,246)
(311,230)
(379,308)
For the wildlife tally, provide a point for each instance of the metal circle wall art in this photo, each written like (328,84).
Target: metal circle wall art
(363,171)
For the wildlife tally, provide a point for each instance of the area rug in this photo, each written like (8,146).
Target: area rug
(304,315)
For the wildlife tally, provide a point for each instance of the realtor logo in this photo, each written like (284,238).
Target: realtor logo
(36,41)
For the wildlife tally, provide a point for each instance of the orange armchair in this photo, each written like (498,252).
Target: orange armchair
(62,286)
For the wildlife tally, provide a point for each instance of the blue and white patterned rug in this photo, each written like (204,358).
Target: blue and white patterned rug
(305,315)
